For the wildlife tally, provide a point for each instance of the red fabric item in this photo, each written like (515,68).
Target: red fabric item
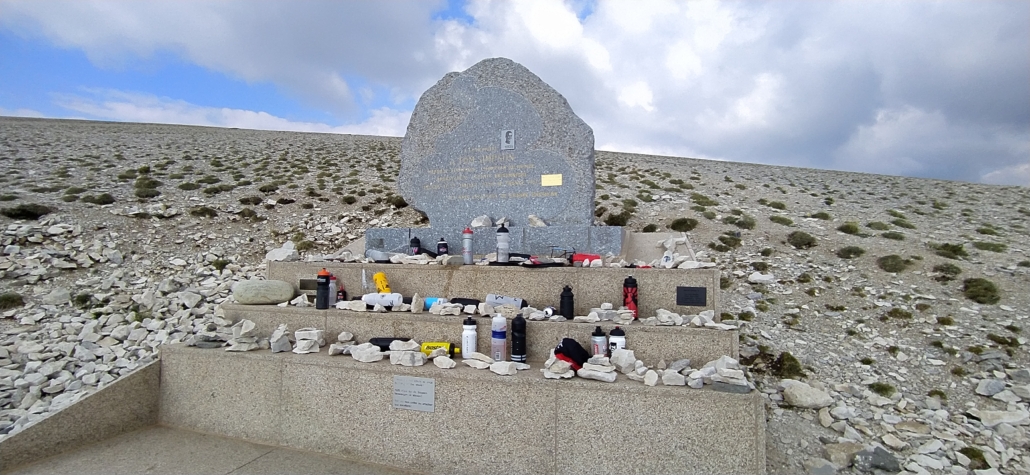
(575,366)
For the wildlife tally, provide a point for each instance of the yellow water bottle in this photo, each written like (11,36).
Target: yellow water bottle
(382,285)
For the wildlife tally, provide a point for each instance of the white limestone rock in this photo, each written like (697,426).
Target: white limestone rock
(418,304)
(475,355)
(624,360)
(366,353)
(650,378)
(800,394)
(562,375)
(407,358)
(243,329)
(287,253)
(598,368)
(993,418)
(401,345)
(262,292)
(483,221)
(345,337)
(301,301)
(535,221)
(306,346)
(673,378)
(310,334)
(477,364)
(606,376)
(339,349)
(58,296)
(760,278)
(280,340)
(503,368)
(444,362)
(356,306)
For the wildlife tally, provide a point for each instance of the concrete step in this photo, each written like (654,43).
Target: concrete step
(480,422)
(658,288)
(649,343)
(157,450)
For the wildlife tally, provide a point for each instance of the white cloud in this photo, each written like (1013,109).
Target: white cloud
(928,89)
(138,107)
(21,112)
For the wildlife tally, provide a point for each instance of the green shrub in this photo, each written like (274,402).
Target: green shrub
(250,214)
(760,266)
(147,193)
(9,300)
(305,245)
(69,198)
(219,264)
(618,219)
(214,190)
(901,223)
(397,201)
(268,188)
(709,215)
(188,186)
(893,263)
(285,201)
(893,235)
(878,226)
(950,251)
(683,224)
(1009,341)
(703,200)
(821,215)
(767,252)
(8,197)
(781,220)
(980,291)
(598,212)
(1023,264)
(786,366)
(650,228)
(947,271)
(209,180)
(251,200)
(850,252)
(146,183)
(203,212)
(989,246)
(743,221)
(75,190)
(101,199)
(801,240)
(883,389)
(987,231)
(975,456)
(848,228)
(946,321)
(27,211)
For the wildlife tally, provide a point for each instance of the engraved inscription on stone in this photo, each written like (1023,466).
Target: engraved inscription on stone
(481,142)
(416,394)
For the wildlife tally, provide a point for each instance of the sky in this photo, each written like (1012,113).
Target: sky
(933,89)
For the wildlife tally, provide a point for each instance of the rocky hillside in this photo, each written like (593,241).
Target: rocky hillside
(899,303)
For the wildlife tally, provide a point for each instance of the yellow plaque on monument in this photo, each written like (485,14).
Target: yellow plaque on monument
(550,180)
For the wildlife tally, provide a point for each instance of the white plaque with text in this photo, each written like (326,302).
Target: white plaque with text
(416,394)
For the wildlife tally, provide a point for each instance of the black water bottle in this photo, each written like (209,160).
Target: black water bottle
(629,295)
(442,248)
(518,339)
(322,289)
(415,245)
(566,306)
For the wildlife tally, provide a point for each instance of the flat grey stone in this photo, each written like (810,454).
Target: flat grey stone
(496,140)
(877,458)
(802,395)
(730,388)
(262,292)
(990,387)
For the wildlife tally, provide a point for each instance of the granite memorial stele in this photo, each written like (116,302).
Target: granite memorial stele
(495,140)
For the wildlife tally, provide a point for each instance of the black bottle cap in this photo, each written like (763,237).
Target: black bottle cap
(518,323)
(468,321)
(630,281)
(502,229)
(617,332)
(597,332)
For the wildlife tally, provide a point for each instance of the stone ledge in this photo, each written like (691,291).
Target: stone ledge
(540,241)
(540,286)
(650,343)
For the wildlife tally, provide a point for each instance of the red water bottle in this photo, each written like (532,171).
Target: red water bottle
(629,295)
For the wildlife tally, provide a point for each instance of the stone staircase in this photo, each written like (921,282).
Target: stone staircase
(480,422)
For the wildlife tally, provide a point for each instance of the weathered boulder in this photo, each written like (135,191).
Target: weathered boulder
(262,292)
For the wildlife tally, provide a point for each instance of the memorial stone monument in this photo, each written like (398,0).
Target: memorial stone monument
(495,140)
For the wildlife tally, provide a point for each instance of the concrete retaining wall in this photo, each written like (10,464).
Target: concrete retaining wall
(125,405)
(482,423)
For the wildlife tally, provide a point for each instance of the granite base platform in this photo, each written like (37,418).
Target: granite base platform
(541,241)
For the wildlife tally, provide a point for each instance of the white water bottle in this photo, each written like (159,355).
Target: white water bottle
(598,342)
(332,290)
(498,338)
(503,243)
(466,246)
(468,337)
